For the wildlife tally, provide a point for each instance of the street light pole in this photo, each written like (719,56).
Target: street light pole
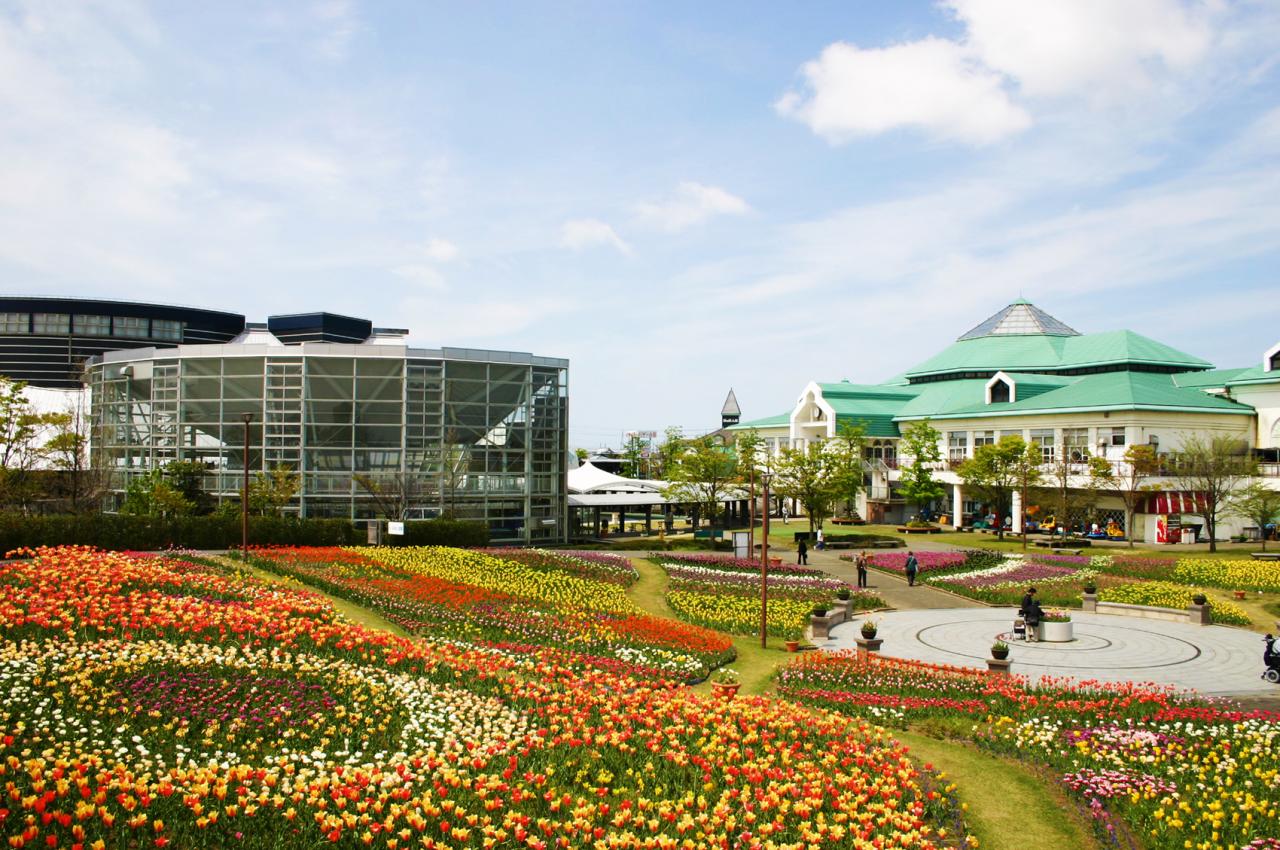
(764,567)
(244,494)
(751,515)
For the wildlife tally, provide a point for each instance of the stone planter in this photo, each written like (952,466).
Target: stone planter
(821,626)
(1090,604)
(1056,632)
(839,611)
(1200,614)
(868,645)
(998,667)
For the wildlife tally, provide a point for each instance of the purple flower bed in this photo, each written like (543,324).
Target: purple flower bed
(741,565)
(1047,558)
(1025,573)
(703,575)
(929,561)
(199,697)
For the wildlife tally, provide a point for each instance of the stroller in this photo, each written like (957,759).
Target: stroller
(1271,658)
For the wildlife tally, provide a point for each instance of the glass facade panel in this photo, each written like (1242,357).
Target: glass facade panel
(1043,437)
(92,325)
(166,329)
(50,323)
(15,323)
(130,327)
(957,445)
(471,448)
(1075,442)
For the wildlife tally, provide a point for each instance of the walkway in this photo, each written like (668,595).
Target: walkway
(894,590)
(1214,660)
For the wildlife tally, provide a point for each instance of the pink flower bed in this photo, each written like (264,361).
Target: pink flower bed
(929,561)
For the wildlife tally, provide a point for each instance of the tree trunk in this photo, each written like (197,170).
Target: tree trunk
(1211,524)
(1128,526)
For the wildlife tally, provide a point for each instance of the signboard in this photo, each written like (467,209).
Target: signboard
(741,544)
(396,528)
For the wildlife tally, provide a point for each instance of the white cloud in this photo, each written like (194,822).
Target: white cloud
(692,204)
(441,250)
(932,84)
(580,233)
(1107,47)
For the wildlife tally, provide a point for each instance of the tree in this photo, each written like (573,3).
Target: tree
(1212,468)
(702,475)
(808,475)
(1068,492)
(1127,477)
(176,489)
(849,472)
(21,433)
(1257,503)
(669,450)
(634,452)
(272,491)
(582,455)
(395,495)
(916,483)
(67,451)
(997,471)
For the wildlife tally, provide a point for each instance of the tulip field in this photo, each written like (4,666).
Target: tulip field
(511,601)
(1151,768)
(152,701)
(724,593)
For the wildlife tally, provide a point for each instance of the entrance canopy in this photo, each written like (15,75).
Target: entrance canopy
(1175,502)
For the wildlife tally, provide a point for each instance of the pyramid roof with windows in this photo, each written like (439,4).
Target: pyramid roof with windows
(1051,367)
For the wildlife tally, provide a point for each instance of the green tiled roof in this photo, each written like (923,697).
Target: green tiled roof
(1037,352)
(1030,384)
(1208,378)
(1085,393)
(767,422)
(874,406)
(1254,375)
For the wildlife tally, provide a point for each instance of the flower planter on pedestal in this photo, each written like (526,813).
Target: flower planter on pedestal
(1200,614)
(821,626)
(998,666)
(1090,603)
(1056,632)
(725,690)
(868,645)
(1000,654)
(839,611)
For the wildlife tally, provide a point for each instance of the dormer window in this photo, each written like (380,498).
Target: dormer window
(1001,389)
(1000,392)
(1271,360)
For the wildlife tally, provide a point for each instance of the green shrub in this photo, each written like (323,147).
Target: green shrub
(119,531)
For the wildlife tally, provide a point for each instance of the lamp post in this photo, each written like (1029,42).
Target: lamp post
(764,566)
(751,515)
(244,494)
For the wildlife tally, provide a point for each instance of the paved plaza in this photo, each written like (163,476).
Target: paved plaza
(1214,660)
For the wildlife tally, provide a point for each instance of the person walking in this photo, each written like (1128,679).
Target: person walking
(862,569)
(912,567)
(820,543)
(802,552)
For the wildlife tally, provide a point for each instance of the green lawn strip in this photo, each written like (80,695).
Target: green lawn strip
(351,611)
(1009,806)
(755,666)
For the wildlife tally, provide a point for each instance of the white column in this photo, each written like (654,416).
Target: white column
(957,505)
(1017,512)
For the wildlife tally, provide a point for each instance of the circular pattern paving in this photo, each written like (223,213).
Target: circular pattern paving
(1210,659)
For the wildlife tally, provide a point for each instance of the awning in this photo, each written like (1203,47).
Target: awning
(1175,502)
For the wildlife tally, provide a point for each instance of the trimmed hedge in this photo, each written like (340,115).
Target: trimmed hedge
(120,531)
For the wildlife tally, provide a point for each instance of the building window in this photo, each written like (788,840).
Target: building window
(1043,437)
(1075,442)
(166,329)
(15,323)
(957,445)
(93,325)
(131,327)
(1117,436)
(51,323)
(1004,434)
(984,438)
(1000,392)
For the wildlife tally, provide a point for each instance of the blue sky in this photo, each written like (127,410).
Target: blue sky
(679,197)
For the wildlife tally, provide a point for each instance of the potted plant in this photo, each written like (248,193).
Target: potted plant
(725,684)
(1090,588)
(1238,594)
(1055,627)
(1000,650)
(843,594)
(869,629)
(1199,598)
(820,610)
(793,642)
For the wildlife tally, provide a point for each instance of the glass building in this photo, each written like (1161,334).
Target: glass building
(374,428)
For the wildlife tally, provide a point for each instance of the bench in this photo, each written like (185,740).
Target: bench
(1146,612)
(1265,556)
